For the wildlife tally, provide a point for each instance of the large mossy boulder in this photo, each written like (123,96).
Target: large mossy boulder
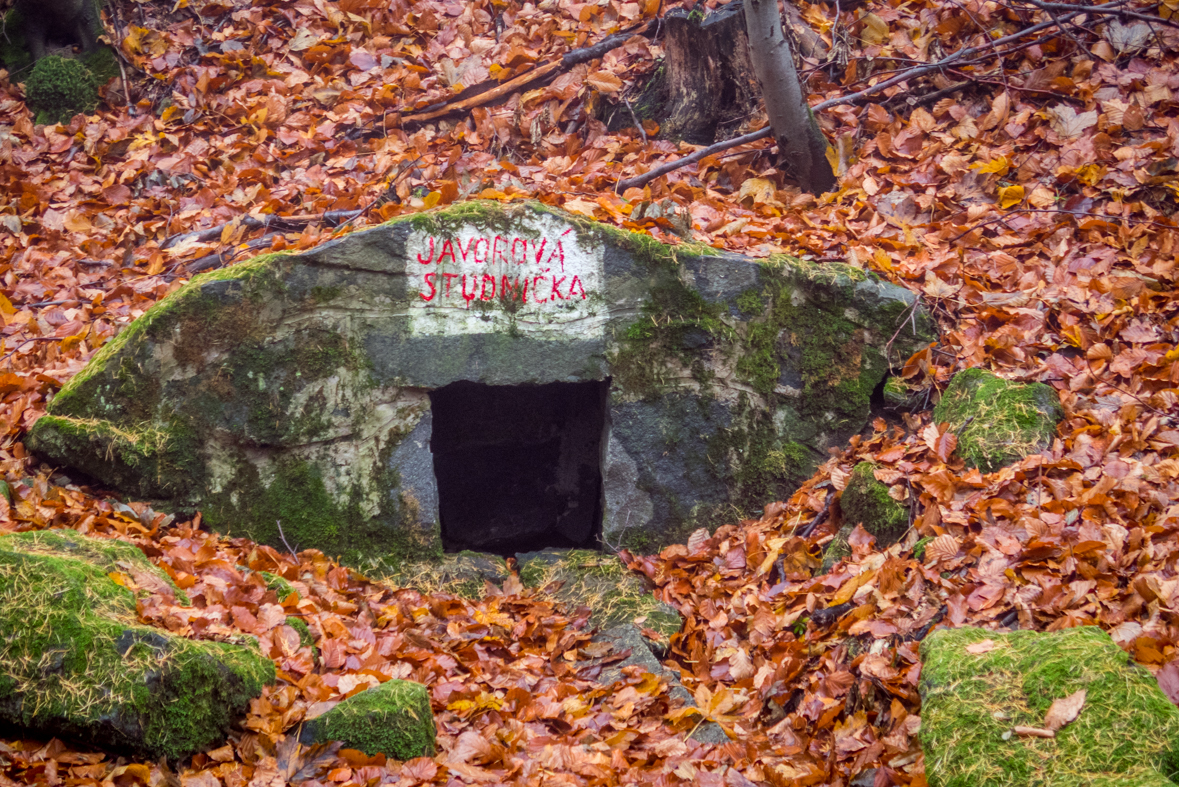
(393,719)
(486,377)
(998,422)
(74,661)
(977,687)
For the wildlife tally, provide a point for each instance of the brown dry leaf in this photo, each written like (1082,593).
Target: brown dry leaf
(1067,122)
(985,646)
(941,548)
(1064,710)
(604,81)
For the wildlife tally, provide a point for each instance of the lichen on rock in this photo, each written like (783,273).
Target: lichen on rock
(393,719)
(1127,731)
(998,422)
(75,662)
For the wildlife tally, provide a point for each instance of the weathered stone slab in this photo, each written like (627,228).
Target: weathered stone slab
(981,690)
(318,390)
(74,661)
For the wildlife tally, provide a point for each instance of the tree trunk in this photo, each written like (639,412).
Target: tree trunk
(801,144)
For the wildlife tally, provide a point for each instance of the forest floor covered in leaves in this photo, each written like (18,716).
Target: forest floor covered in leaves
(1033,209)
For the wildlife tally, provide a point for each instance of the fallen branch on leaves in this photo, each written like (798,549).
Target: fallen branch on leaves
(987,51)
(487,92)
(281,223)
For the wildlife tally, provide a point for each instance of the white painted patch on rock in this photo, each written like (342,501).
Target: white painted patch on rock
(541,276)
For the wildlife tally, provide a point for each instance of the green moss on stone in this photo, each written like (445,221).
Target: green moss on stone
(146,461)
(305,637)
(280,586)
(57,89)
(1127,732)
(616,595)
(75,662)
(393,719)
(998,422)
(837,549)
(297,500)
(866,501)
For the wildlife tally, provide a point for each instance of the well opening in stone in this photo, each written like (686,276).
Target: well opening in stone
(519,467)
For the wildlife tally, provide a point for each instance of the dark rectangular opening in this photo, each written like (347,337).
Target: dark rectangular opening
(519,467)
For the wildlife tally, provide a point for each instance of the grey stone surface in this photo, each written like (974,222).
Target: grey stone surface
(628,637)
(302,388)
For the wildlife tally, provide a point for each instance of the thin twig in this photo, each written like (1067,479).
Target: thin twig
(27,341)
(806,530)
(284,540)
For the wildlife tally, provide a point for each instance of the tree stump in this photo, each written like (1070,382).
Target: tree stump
(706,88)
(706,82)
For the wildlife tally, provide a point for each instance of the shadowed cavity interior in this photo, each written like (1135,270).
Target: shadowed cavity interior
(519,467)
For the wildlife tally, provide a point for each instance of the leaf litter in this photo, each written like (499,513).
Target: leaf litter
(1033,211)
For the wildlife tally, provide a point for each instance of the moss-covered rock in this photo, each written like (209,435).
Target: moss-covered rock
(615,594)
(290,397)
(57,89)
(75,662)
(463,574)
(866,501)
(998,422)
(837,549)
(393,719)
(1127,732)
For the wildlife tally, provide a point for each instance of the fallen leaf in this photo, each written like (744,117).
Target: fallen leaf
(985,646)
(1064,710)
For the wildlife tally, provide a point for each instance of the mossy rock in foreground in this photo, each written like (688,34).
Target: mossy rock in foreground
(1127,732)
(393,719)
(866,501)
(998,422)
(74,661)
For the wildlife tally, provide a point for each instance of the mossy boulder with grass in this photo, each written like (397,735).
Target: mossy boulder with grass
(998,422)
(463,574)
(75,662)
(58,88)
(614,594)
(447,378)
(393,719)
(978,686)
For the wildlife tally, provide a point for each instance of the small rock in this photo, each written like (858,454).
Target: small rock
(393,719)
(628,637)
(998,422)
(866,501)
(600,581)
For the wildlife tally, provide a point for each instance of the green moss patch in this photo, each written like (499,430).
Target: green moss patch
(463,574)
(1127,733)
(75,662)
(393,719)
(998,422)
(614,593)
(866,501)
(57,89)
